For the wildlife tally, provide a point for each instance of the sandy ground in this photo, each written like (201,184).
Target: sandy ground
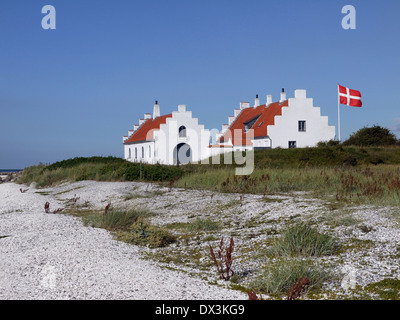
(53,256)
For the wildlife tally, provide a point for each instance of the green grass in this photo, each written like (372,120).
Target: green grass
(278,277)
(99,169)
(377,185)
(197,225)
(386,289)
(130,226)
(203,225)
(346,174)
(303,240)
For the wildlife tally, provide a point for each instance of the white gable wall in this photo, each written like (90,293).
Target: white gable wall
(286,126)
(167,138)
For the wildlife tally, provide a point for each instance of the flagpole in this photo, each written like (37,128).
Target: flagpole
(338,108)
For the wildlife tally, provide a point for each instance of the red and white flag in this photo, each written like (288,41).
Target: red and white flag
(349,97)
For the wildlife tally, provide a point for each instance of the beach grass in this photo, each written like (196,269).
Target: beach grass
(359,175)
(131,226)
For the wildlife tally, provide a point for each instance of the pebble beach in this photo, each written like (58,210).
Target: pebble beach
(54,256)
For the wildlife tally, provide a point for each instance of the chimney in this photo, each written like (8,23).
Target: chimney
(156,110)
(182,107)
(135,127)
(283,95)
(269,99)
(256,101)
(147,116)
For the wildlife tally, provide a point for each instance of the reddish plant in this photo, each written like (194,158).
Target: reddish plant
(23,191)
(298,288)
(253,296)
(47,207)
(223,260)
(107,207)
(58,210)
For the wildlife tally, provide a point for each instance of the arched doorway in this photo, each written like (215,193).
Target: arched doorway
(182,154)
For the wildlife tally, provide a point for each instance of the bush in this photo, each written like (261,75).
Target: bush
(373,136)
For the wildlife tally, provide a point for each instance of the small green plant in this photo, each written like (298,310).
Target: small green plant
(145,234)
(203,225)
(280,276)
(116,219)
(131,226)
(387,289)
(303,240)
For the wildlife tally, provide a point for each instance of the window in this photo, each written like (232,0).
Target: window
(182,131)
(149,151)
(135,153)
(302,126)
(250,123)
(292,144)
(142,152)
(130,155)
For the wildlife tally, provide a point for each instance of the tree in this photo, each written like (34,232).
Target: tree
(373,136)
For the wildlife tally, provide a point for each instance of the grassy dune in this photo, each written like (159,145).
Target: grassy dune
(351,174)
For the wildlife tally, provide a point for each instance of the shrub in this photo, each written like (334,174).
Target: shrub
(373,136)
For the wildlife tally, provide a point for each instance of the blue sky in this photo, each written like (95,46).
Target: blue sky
(76,90)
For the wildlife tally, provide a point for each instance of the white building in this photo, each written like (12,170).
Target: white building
(287,123)
(178,137)
(167,139)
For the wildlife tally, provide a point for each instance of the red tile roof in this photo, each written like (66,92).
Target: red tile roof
(266,116)
(146,130)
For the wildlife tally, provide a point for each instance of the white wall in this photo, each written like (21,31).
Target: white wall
(148,156)
(167,138)
(262,143)
(286,126)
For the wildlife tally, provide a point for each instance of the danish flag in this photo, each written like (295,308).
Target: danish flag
(349,97)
